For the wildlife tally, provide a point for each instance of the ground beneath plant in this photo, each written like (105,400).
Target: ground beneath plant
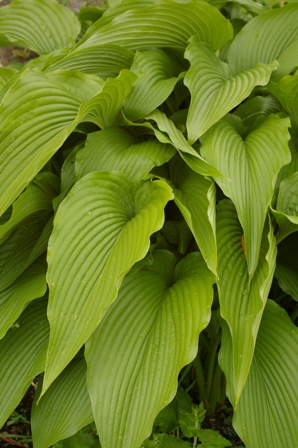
(19,433)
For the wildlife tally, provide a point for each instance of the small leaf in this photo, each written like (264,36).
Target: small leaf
(103,237)
(40,25)
(212,439)
(64,409)
(159,74)
(214,90)
(154,324)
(22,356)
(250,160)
(190,422)
(27,287)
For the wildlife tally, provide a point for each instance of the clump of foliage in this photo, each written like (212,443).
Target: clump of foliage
(148,184)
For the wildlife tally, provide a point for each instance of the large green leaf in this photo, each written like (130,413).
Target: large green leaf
(195,196)
(250,160)
(266,415)
(37,114)
(159,74)
(286,270)
(242,300)
(146,337)
(22,356)
(269,36)
(102,60)
(167,132)
(28,286)
(214,90)
(64,409)
(101,229)
(143,25)
(40,25)
(117,149)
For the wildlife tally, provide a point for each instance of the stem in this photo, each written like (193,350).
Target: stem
(201,380)
(195,442)
(211,363)
(216,395)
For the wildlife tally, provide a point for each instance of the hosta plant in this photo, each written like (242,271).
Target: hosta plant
(149,181)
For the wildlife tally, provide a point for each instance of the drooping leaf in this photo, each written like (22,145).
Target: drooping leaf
(159,74)
(195,196)
(37,114)
(101,230)
(142,25)
(267,411)
(28,286)
(154,324)
(269,36)
(250,160)
(167,132)
(60,413)
(242,300)
(214,90)
(177,233)
(117,149)
(40,25)
(22,356)
(286,270)
(102,60)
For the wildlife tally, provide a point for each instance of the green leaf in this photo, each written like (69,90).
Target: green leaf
(60,413)
(167,132)
(20,250)
(242,300)
(286,91)
(102,60)
(255,107)
(103,237)
(214,90)
(286,270)
(31,203)
(267,412)
(165,441)
(158,73)
(269,36)
(40,25)
(142,25)
(250,160)
(154,324)
(28,286)
(212,439)
(286,213)
(195,197)
(117,149)
(190,422)
(22,356)
(104,107)
(37,114)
